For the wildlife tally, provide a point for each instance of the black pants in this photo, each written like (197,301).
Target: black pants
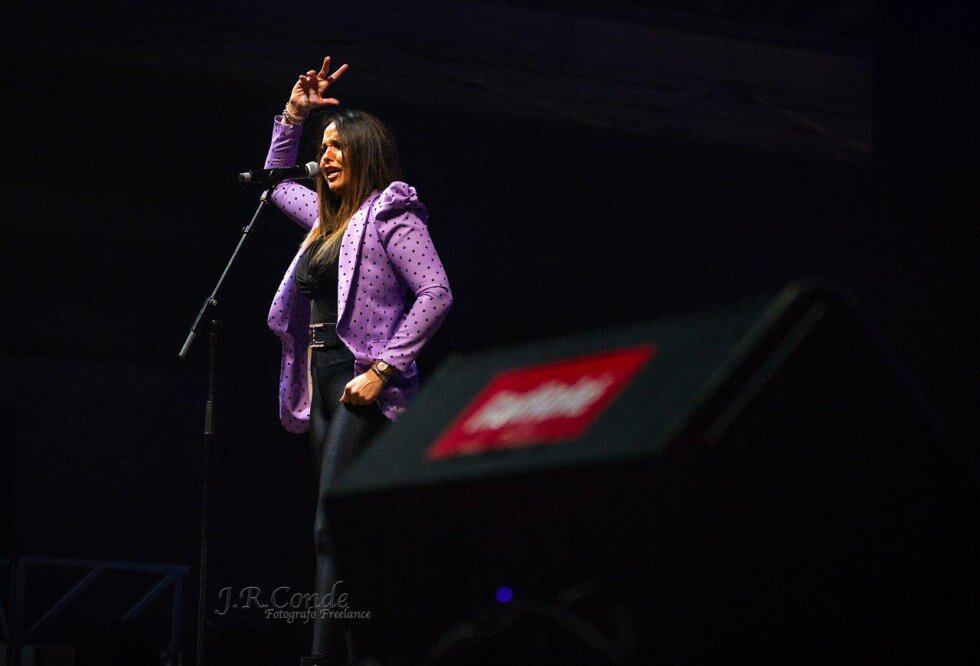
(338,433)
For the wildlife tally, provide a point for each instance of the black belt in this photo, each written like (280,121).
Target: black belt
(324,335)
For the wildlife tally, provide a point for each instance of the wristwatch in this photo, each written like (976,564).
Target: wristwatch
(383,369)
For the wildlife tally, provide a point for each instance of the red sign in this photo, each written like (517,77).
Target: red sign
(541,404)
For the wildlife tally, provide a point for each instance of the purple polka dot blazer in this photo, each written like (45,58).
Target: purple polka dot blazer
(387,261)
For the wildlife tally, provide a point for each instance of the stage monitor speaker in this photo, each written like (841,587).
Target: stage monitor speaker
(748,482)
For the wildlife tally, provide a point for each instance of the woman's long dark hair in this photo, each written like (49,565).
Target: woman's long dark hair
(371,163)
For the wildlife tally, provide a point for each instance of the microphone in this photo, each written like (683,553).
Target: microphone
(269,176)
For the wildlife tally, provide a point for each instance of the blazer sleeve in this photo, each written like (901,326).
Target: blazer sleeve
(296,201)
(401,224)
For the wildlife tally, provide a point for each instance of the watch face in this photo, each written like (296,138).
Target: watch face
(383,367)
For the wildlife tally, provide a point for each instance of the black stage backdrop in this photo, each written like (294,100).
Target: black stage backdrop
(120,207)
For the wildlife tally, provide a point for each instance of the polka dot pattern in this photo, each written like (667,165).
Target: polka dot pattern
(387,260)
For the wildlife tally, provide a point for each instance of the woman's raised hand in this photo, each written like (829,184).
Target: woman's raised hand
(311,88)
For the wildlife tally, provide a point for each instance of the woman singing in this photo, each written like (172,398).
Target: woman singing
(362,296)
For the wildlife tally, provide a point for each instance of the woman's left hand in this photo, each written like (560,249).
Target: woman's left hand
(363,389)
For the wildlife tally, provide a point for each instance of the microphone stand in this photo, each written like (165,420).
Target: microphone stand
(209,310)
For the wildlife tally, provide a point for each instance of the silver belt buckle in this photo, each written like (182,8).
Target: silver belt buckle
(318,328)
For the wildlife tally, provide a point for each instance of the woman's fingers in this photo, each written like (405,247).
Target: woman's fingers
(336,75)
(324,83)
(313,84)
(349,395)
(325,68)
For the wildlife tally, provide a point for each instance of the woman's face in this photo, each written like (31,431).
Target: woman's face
(332,164)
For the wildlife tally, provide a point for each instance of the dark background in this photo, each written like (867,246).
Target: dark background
(583,164)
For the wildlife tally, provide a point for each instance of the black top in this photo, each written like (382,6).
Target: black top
(318,282)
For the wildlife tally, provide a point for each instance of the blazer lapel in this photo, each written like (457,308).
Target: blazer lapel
(350,254)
